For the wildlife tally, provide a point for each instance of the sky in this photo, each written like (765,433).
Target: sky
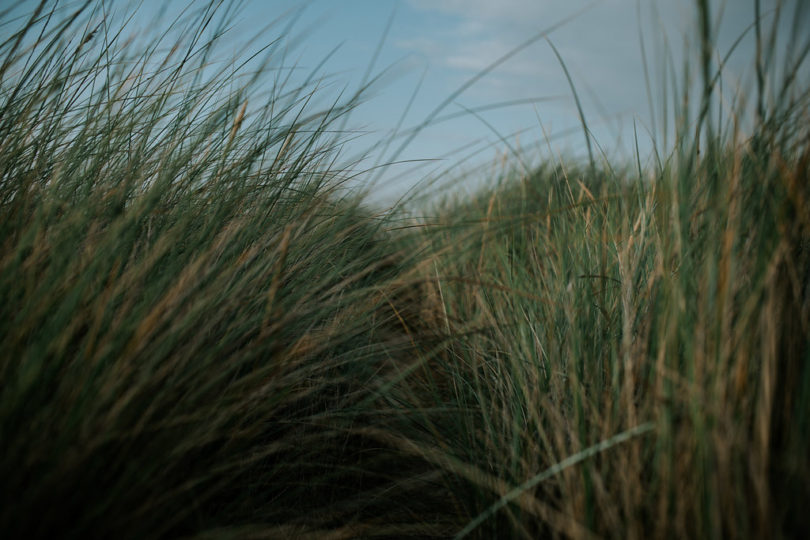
(431,49)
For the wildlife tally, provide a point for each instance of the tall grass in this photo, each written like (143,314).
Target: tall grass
(203,333)
(670,304)
(194,317)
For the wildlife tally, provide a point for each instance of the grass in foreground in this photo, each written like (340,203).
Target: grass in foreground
(203,335)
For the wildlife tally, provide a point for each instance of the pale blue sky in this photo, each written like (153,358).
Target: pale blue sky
(446,42)
(450,41)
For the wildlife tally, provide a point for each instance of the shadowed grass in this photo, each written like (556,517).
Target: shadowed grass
(194,319)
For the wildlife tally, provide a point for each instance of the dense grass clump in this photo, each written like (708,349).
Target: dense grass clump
(194,320)
(203,333)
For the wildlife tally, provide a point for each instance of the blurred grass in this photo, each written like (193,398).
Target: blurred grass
(204,333)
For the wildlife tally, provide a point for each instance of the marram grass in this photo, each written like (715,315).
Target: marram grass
(204,334)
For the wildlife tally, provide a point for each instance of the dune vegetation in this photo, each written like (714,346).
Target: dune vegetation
(205,333)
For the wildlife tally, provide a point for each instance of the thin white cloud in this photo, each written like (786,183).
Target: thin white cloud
(601,49)
(516,12)
(477,32)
